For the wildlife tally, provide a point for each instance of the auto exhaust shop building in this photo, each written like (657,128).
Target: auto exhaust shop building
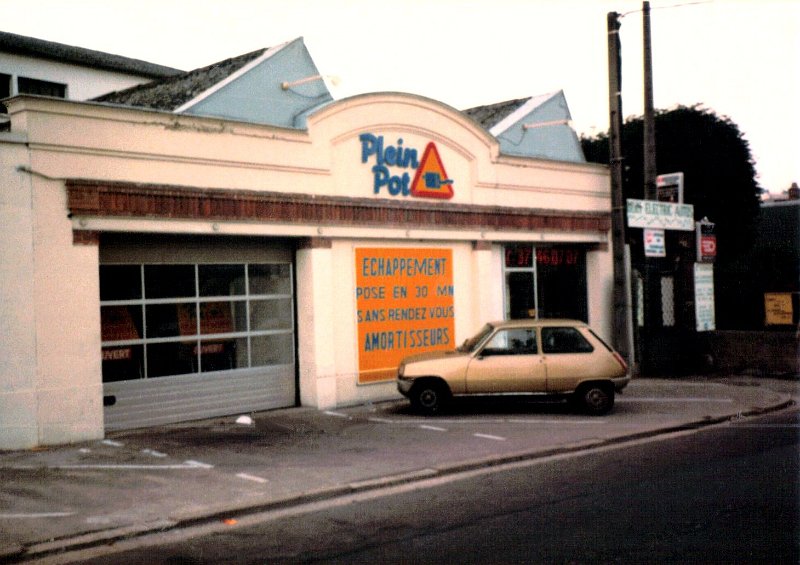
(233,240)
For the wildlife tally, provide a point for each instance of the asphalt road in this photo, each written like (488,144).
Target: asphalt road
(728,493)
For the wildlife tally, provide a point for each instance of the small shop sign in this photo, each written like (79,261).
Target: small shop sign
(669,187)
(706,242)
(778,308)
(663,215)
(704,297)
(654,245)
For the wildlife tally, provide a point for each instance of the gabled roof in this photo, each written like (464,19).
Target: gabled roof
(30,46)
(497,118)
(172,93)
(537,126)
(488,116)
(278,86)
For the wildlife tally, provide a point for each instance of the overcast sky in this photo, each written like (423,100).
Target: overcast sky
(739,58)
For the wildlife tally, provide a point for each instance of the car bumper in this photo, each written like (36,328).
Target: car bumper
(404,386)
(621,382)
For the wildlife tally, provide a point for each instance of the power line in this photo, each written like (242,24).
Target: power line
(681,5)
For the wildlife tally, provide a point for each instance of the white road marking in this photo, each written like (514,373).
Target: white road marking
(253,478)
(738,425)
(153,453)
(131,467)
(112,443)
(381,420)
(22,516)
(337,414)
(434,428)
(559,422)
(487,436)
(198,464)
(675,399)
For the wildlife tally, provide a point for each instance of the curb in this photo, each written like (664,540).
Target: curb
(18,554)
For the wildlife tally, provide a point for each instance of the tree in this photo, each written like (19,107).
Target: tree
(719,181)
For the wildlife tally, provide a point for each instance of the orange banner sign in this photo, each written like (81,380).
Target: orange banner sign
(404,301)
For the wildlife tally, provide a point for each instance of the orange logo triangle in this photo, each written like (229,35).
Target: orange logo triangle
(431,180)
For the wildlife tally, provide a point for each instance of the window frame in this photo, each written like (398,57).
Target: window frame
(198,339)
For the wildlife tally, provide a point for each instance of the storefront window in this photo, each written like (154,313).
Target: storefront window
(272,279)
(120,282)
(221,280)
(275,349)
(545,282)
(521,294)
(163,320)
(169,281)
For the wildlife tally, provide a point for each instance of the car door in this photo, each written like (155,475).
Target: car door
(568,357)
(508,363)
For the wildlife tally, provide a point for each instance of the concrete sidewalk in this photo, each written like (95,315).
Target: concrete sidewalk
(62,498)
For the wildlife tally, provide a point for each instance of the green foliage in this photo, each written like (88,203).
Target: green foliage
(719,172)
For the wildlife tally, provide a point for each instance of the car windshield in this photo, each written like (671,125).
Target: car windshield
(473,342)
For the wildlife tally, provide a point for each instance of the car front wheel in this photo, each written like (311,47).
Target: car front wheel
(596,399)
(429,397)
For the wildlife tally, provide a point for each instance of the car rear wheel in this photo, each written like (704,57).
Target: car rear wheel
(429,397)
(596,399)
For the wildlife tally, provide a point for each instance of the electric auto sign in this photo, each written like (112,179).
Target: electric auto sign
(394,165)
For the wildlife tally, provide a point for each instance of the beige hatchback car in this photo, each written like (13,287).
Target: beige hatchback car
(562,358)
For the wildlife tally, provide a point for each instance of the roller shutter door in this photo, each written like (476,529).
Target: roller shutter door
(195,328)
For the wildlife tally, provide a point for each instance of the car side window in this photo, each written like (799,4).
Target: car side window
(564,340)
(515,341)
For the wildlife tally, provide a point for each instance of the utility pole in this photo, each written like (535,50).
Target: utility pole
(649,112)
(622,341)
(652,282)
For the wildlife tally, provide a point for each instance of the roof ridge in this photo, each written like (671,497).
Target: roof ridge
(24,45)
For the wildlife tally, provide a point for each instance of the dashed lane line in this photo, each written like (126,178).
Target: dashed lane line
(434,428)
(254,478)
(488,436)
(381,420)
(112,443)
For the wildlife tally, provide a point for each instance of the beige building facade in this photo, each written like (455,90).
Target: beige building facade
(159,268)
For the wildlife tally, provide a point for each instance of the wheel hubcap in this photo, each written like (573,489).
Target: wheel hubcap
(428,398)
(596,398)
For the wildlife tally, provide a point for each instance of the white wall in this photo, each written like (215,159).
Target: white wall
(66,293)
(18,402)
(82,83)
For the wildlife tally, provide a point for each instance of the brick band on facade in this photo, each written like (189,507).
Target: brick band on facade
(102,198)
